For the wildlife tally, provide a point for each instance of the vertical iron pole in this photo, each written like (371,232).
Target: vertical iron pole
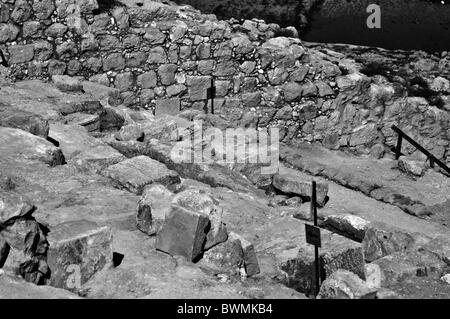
(213,93)
(316,248)
(398,150)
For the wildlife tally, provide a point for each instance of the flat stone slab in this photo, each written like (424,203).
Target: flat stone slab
(82,149)
(77,251)
(24,120)
(67,83)
(400,266)
(291,185)
(135,173)
(16,144)
(379,179)
(16,288)
(283,251)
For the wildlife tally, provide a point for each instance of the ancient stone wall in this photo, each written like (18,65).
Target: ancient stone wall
(163,57)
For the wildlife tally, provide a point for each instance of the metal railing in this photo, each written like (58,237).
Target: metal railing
(433,159)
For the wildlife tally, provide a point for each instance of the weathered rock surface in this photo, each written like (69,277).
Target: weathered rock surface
(15,143)
(399,267)
(77,251)
(285,249)
(135,173)
(381,240)
(152,208)
(23,242)
(82,149)
(289,185)
(411,166)
(344,284)
(200,202)
(183,233)
(348,225)
(15,288)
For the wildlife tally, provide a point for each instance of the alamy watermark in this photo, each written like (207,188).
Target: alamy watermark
(73,280)
(374,19)
(229,146)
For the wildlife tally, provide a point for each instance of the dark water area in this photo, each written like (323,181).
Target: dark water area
(405,24)
(423,25)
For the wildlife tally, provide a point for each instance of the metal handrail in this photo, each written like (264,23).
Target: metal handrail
(433,159)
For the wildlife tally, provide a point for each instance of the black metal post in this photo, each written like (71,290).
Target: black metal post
(213,95)
(316,248)
(398,150)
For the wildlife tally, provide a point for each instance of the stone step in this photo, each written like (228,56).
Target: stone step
(379,179)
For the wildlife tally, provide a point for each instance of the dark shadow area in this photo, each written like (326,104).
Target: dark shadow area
(107,6)
(117,259)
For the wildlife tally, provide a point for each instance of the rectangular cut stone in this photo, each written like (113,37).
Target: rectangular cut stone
(167,106)
(135,173)
(103,93)
(183,233)
(77,251)
(21,53)
(197,86)
(292,185)
(82,149)
(250,259)
(16,144)
(284,247)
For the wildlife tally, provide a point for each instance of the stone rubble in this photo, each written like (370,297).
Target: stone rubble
(94,151)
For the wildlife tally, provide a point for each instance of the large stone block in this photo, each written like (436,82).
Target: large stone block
(152,208)
(167,73)
(284,253)
(8,32)
(167,107)
(67,83)
(344,284)
(77,251)
(351,226)
(200,202)
(82,149)
(183,233)
(113,62)
(33,123)
(197,86)
(157,56)
(135,173)
(16,144)
(20,53)
(292,185)
(382,239)
(105,94)
(147,80)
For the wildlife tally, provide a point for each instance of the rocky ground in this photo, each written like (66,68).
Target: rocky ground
(99,200)
(87,185)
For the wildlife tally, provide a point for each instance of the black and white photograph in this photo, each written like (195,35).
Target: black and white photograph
(213,158)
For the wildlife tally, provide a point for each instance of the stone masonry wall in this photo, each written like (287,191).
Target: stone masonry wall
(163,57)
